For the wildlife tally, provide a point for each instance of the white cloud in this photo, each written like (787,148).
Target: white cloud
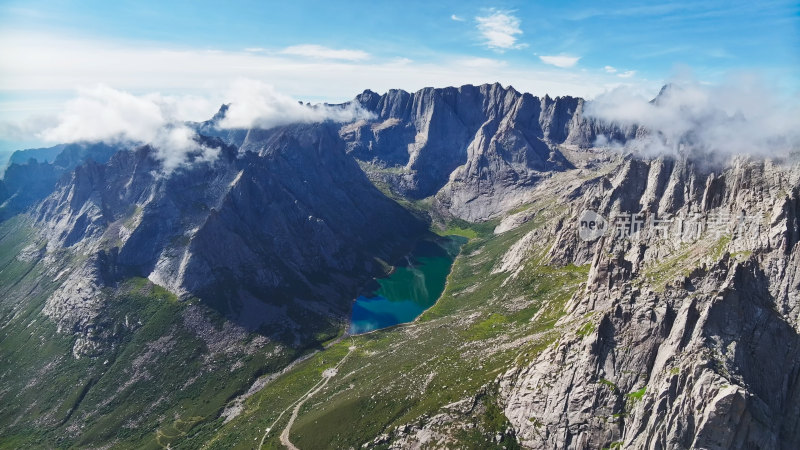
(456,18)
(108,115)
(500,29)
(103,113)
(27,128)
(320,52)
(175,147)
(610,69)
(257,104)
(627,74)
(740,116)
(560,60)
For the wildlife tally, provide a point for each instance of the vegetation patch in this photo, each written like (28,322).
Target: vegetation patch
(586,329)
(635,396)
(609,384)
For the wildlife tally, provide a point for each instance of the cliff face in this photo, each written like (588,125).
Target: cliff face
(686,339)
(479,149)
(293,222)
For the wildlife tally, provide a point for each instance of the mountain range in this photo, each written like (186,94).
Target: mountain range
(208,307)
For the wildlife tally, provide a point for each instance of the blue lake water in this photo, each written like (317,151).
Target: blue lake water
(414,286)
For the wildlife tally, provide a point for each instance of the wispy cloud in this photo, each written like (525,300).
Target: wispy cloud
(320,52)
(743,115)
(645,10)
(610,69)
(500,29)
(560,60)
(660,51)
(456,18)
(254,104)
(627,74)
(719,53)
(104,114)
(401,61)
(481,62)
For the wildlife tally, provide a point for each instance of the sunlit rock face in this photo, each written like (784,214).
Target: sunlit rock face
(478,149)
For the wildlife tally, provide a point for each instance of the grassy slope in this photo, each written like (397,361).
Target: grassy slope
(475,331)
(157,381)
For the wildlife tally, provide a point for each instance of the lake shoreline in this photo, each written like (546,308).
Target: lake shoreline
(408,290)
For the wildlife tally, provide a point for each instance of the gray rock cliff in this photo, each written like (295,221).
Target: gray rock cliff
(292,222)
(478,149)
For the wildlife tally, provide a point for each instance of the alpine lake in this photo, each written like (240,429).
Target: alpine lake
(413,286)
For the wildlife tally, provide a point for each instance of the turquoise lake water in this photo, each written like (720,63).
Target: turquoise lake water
(413,287)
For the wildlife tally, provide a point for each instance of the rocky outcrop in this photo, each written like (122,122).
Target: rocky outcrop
(712,368)
(211,128)
(685,338)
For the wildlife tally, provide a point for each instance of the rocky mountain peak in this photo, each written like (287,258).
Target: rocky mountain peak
(447,142)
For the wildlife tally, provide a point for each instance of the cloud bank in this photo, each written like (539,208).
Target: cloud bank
(104,114)
(739,117)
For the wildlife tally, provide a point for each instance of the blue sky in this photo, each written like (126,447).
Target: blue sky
(329,51)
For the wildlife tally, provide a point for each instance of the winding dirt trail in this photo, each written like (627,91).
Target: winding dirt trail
(327,374)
